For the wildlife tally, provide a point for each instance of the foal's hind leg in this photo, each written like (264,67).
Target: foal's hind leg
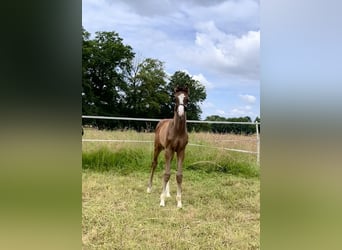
(157,149)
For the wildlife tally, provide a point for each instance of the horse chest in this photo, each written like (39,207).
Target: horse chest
(178,142)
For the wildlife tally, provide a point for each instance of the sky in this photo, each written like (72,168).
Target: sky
(215,41)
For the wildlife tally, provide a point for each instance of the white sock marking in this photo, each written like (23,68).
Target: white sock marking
(167,189)
(179,201)
(162,200)
(179,198)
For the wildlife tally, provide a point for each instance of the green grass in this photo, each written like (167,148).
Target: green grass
(128,160)
(221,196)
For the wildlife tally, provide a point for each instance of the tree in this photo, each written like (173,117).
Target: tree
(88,96)
(105,59)
(197,94)
(241,128)
(218,128)
(147,89)
(231,128)
(146,84)
(116,83)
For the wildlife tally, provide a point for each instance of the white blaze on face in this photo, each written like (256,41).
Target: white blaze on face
(180,109)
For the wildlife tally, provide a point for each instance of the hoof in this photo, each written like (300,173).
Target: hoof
(162,203)
(149,190)
(168,195)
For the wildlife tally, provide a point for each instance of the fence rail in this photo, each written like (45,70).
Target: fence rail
(188,121)
(157,120)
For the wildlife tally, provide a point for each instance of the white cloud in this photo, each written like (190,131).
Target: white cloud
(207,105)
(241,111)
(220,112)
(229,16)
(189,34)
(203,81)
(201,78)
(250,99)
(225,53)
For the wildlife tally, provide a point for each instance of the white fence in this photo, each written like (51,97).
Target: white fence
(188,121)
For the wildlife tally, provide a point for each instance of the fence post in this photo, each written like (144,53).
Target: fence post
(258,142)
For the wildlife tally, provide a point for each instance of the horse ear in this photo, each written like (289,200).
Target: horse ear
(186,89)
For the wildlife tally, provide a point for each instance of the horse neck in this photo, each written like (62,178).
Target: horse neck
(179,124)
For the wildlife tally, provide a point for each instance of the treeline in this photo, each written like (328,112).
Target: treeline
(231,128)
(149,126)
(116,82)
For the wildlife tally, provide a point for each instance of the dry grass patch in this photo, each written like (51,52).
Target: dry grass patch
(220,212)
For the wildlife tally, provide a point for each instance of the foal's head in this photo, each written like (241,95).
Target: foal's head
(182,98)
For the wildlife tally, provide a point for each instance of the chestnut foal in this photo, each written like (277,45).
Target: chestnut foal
(172,135)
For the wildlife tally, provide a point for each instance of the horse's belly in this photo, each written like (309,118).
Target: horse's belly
(163,134)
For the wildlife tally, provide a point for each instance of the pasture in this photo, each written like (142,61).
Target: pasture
(221,194)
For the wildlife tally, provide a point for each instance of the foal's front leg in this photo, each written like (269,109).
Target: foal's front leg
(165,192)
(179,177)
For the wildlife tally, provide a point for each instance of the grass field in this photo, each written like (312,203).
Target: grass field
(221,195)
